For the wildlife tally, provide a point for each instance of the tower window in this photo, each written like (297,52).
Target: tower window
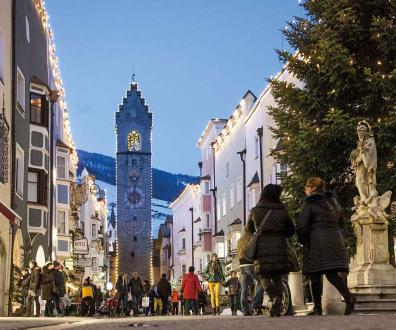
(134,141)
(133,254)
(135,238)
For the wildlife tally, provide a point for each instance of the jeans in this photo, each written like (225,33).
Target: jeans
(87,306)
(165,302)
(29,305)
(234,299)
(214,288)
(190,304)
(248,275)
(135,304)
(175,308)
(56,300)
(124,303)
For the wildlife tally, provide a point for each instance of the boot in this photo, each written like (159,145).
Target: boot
(317,311)
(218,310)
(276,307)
(350,305)
(214,311)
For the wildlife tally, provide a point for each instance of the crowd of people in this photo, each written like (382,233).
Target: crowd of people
(269,227)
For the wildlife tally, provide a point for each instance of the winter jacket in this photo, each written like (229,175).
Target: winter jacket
(152,294)
(47,283)
(121,287)
(234,286)
(218,275)
(190,286)
(35,277)
(175,297)
(135,287)
(24,284)
(272,254)
(164,288)
(318,229)
(146,288)
(59,281)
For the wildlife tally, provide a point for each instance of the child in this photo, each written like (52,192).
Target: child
(234,291)
(175,302)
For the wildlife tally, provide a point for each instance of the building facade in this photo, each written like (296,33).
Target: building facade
(134,184)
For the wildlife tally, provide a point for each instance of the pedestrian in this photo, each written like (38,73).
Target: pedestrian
(234,292)
(164,292)
(190,288)
(213,273)
(152,296)
(324,251)
(24,283)
(181,298)
(122,293)
(146,291)
(249,280)
(47,288)
(135,288)
(59,285)
(34,290)
(202,301)
(272,258)
(175,302)
(98,297)
(66,304)
(87,298)
(157,300)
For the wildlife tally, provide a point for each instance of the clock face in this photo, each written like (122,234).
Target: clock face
(134,198)
(133,226)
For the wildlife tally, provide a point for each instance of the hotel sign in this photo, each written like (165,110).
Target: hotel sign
(81,246)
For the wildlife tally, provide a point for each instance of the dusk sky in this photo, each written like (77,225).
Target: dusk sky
(193,60)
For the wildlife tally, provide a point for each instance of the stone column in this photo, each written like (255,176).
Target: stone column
(296,290)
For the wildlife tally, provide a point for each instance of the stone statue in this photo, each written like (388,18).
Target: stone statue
(364,163)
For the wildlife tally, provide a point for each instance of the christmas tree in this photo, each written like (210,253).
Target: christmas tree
(343,52)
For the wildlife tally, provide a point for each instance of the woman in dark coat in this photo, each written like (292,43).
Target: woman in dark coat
(318,229)
(272,258)
(47,288)
(24,283)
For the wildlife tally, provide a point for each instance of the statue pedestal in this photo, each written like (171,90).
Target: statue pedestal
(372,278)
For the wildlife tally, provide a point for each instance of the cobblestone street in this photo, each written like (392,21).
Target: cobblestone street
(354,322)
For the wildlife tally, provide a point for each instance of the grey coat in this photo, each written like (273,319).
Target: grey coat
(318,229)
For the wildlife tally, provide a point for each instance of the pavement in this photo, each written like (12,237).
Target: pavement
(353,322)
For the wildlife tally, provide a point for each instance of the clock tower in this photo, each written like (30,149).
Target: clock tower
(133,123)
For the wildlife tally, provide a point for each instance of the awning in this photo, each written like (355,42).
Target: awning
(10,215)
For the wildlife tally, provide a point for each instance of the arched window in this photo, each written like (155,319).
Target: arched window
(134,141)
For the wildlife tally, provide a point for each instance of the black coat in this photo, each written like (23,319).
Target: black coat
(47,284)
(164,288)
(135,287)
(24,284)
(59,281)
(318,229)
(272,254)
(35,277)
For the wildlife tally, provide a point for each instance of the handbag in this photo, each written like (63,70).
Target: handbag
(129,296)
(251,246)
(145,302)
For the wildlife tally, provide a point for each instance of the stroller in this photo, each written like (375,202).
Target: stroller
(108,307)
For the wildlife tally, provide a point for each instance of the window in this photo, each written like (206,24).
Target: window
(94,264)
(33,187)
(38,109)
(232,195)
(61,167)
(239,190)
(256,146)
(206,187)
(228,169)
(134,141)
(94,230)
(200,264)
(207,220)
(19,169)
(224,201)
(183,243)
(134,238)
(27,29)
(183,269)
(220,249)
(61,222)
(2,58)
(20,91)
(218,211)
(63,194)
(63,246)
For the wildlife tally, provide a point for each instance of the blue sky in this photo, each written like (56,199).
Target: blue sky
(193,59)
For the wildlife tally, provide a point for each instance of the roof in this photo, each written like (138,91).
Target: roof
(237,221)
(112,220)
(197,220)
(181,230)
(165,230)
(206,177)
(219,233)
(255,179)
(208,125)
(60,143)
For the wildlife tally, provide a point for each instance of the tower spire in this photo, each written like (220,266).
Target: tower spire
(133,74)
